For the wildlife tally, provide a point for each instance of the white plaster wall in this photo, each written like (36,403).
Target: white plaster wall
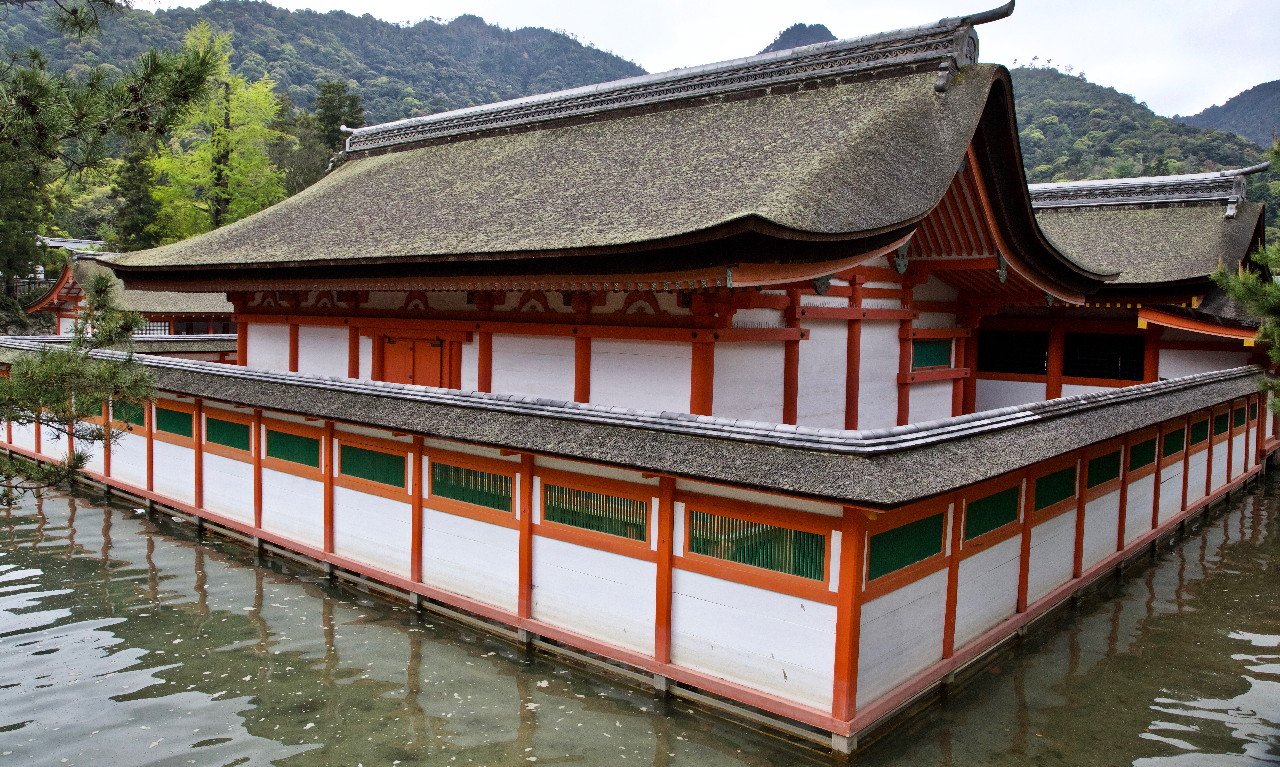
(470,380)
(471,558)
(1075,390)
(1053,552)
(987,590)
(823,364)
(228,487)
(24,435)
(1240,453)
(934,289)
(1139,507)
(268,346)
(930,401)
(748,381)
(647,375)
(96,453)
(1219,465)
(595,593)
(374,530)
(541,366)
(1175,363)
(878,375)
(997,394)
(175,472)
(1101,521)
(1196,468)
(322,350)
(65,325)
(1171,491)
(768,641)
(293,506)
(901,635)
(129,460)
(53,443)
(366,357)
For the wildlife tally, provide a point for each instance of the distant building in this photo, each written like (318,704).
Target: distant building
(768,378)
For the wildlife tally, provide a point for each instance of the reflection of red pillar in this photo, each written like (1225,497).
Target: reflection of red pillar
(702,378)
(853,534)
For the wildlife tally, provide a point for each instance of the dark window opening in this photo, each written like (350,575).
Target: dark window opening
(1101,355)
(1013,351)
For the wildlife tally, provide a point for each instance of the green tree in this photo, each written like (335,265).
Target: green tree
(216,168)
(136,208)
(300,153)
(336,107)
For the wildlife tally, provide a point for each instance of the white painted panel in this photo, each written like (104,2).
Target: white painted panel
(52,443)
(1170,491)
(823,363)
(901,635)
(540,366)
(1196,468)
(129,460)
(1240,453)
(992,395)
(595,593)
(1053,552)
(646,375)
(293,507)
(374,530)
(175,472)
(930,401)
(987,590)
(96,453)
(24,436)
(366,357)
(268,346)
(228,487)
(878,374)
(470,366)
(471,558)
(1139,507)
(1101,521)
(1219,465)
(748,381)
(322,350)
(65,325)
(772,642)
(1075,390)
(1175,363)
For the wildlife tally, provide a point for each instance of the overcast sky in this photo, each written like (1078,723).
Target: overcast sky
(1179,56)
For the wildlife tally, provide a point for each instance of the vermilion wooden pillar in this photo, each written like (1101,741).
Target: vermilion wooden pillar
(702,378)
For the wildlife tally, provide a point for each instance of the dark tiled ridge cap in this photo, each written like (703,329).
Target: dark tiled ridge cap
(1226,186)
(946,45)
(863,442)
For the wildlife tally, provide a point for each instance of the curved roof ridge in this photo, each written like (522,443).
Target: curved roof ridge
(1226,186)
(945,45)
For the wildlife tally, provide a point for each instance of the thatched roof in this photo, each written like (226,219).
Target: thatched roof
(154,302)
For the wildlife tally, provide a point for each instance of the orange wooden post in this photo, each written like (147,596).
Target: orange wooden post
(702,378)
(198,447)
(953,579)
(353,352)
(484,362)
(329,471)
(1024,555)
(525,563)
(258,449)
(853,541)
(418,488)
(666,555)
(1057,348)
(293,347)
(242,343)
(582,369)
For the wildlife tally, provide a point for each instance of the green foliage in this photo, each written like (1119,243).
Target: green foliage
(336,107)
(135,210)
(1254,114)
(215,168)
(797,35)
(399,71)
(60,388)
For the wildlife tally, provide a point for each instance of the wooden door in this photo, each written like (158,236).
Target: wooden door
(428,363)
(422,361)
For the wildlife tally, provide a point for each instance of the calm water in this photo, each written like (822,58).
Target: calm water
(124,642)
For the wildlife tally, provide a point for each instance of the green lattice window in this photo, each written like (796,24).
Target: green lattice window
(780,549)
(930,353)
(1055,487)
(1142,454)
(1220,424)
(611,514)
(1238,417)
(900,547)
(129,412)
(227,433)
(173,421)
(294,448)
(373,465)
(1199,431)
(482,488)
(990,513)
(1253,411)
(1102,469)
(1174,441)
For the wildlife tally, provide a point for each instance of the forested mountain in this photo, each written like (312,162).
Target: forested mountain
(1254,114)
(797,35)
(398,71)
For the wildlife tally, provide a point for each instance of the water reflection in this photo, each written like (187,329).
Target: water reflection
(125,641)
